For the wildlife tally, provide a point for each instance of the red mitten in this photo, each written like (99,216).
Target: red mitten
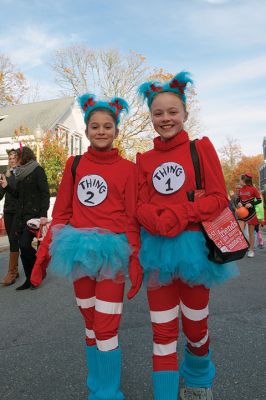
(147,215)
(171,223)
(135,275)
(42,261)
(40,266)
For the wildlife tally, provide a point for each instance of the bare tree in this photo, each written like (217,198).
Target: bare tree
(13,85)
(230,155)
(231,152)
(108,73)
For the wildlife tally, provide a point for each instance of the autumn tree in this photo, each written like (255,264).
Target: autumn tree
(13,84)
(230,155)
(247,164)
(108,73)
(53,157)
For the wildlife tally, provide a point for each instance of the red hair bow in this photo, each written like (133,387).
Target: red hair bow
(89,103)
(117,106)
(179,85)
(156,88)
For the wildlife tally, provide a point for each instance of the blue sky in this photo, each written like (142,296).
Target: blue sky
(222,43)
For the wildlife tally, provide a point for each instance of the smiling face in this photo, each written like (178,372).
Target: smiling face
(168,115)
(101,130)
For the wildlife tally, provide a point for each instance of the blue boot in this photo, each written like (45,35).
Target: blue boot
(92,378)
(165,385)
(198,372)
(109,375)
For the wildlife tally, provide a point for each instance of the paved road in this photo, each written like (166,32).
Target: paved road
(42,353)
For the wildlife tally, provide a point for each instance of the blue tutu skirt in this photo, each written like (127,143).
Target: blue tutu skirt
(98,253)
(184,257)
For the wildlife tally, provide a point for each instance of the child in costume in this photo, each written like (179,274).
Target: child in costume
(173,254)
(249,196)
(95,241)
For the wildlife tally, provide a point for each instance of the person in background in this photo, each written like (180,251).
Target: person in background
(10,208)
(33,196)
(260,241)
(249,196)
(232,201)
(264,204)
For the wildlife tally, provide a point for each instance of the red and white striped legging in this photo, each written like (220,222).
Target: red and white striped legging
(164,307)
(101,305)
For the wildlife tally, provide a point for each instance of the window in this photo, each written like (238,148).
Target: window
(72,145)
(77,145)
(66,138)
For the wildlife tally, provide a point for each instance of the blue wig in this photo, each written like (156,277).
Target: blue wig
(116,105)
(177,85)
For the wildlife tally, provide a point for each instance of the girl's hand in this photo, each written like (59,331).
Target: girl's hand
(248,205)
(147,216)
(239,205)
(171,223)
(3,181)
(135,275)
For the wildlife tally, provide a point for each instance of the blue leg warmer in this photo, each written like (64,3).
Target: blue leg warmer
(165,385)
(198,372)
(109,375)
(92,378)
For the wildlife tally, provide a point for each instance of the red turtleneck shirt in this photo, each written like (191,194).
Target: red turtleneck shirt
(103,194)
(166,174)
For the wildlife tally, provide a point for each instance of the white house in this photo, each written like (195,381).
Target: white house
(61,115)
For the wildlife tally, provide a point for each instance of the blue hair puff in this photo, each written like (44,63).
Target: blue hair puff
(116,105)
(177,85)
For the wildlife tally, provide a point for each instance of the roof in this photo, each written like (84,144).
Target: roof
(44,113)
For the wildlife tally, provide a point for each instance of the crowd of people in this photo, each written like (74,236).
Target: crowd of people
(112,218)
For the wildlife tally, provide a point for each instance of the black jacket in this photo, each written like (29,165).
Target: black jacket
(33,197)
(11,202)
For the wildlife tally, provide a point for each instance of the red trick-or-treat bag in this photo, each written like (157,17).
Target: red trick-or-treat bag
(224,238)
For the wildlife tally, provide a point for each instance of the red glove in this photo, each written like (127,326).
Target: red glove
(42,261)
(135,275)
(171,223)
(147,215)
(40,266)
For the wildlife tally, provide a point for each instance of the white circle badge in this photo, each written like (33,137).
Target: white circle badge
(168,177)
(92,190)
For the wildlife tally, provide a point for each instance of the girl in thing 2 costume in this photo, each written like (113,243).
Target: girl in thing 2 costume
(173,253)
(95,241)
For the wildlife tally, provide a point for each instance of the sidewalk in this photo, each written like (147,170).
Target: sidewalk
(4,244)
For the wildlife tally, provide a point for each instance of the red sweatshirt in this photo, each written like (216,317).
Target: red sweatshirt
(166,174)
(104,196)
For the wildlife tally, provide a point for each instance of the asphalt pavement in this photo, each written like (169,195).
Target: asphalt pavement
(42,340)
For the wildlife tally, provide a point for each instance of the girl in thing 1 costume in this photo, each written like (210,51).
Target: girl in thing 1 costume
(173,253)
(95,241)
